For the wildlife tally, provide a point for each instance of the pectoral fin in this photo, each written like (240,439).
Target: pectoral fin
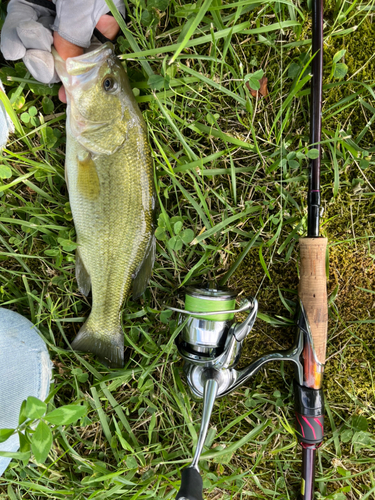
(88,183)
(82,276)
(144,271)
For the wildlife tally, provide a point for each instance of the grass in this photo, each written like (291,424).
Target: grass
(232,169)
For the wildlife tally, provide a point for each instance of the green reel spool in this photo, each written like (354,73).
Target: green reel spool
(211,300)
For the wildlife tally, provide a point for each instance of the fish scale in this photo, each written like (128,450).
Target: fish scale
(111,193)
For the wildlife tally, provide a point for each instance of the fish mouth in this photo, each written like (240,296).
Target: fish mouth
(82,66)
(86,62)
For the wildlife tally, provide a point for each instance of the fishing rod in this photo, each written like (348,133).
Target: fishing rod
(210,342)
(312,290)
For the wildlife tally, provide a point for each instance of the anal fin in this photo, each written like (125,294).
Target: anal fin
(82,276)
(145,269)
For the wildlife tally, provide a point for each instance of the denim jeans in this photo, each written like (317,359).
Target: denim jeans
(25,370)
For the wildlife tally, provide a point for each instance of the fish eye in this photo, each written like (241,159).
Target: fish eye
(109,84)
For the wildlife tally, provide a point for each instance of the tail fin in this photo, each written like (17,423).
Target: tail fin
(108,346)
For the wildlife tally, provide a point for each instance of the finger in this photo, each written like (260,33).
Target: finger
(62,94)
(76,19)
(41,65)
(108,26)
(11,45)
(65,48)
(34,35)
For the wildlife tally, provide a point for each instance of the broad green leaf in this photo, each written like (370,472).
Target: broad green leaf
(22,416)
(346,435)
(5,172)
(361,440)
(19,102)
(156,82)
(165,315)
(359,423)
(44,89)
(339,496)
(5,434)
(48,105)
(162,221)
(131,462)
(313,154)
(210,118)
(41,442)
(177,227)
(52,252)
(224,458)
(34,121)
(253,79)
(35,408)
(147,18)
(160,233)
(340,70)
(294,70)
(254,84)
(81,377)
(33,111)
(343,472)
(6,71)
(50,137)
(67,245)
(25,117)
(25,445)
(158,4)
(40,175)
(66,415)
(187,236)
(293,164)
(146,386)
(338,55)
(258,74)
(175,243)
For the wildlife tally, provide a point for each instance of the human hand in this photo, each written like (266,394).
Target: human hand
(107,26)
(28,29)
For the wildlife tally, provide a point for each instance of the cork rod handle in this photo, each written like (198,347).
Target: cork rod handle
(312,290)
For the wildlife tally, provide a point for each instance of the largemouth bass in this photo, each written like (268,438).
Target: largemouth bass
(111,192)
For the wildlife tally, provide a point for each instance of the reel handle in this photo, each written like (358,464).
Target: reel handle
(191,481)
(191,485)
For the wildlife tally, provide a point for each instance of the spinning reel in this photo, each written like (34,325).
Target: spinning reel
(211,343)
